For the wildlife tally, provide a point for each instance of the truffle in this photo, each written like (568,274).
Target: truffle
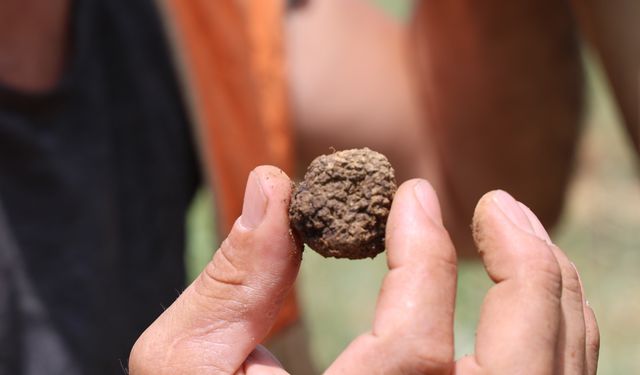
(340,209)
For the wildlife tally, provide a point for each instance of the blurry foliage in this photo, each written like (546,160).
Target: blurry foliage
(399,8)
(201,238)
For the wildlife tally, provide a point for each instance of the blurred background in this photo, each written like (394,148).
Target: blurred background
(599,230)
(99,100)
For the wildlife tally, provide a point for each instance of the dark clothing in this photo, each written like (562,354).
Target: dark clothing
(29,341)
(95,178)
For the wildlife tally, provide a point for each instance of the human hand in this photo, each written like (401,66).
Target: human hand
(533,320)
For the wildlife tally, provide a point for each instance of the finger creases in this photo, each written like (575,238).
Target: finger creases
(257,263)
(571,357)
(230,307)
(522,312)
(413,325)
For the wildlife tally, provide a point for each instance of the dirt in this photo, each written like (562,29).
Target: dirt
(340,209)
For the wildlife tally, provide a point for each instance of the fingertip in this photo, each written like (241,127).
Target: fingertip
(415,213)
(277,188)
(499,202)
(481,214)
(426,195)
(416,197)
(281,245)
(512,210)
(527,300)
(508,235)
(484,203)
(267,192)
(260,251)
(275,182)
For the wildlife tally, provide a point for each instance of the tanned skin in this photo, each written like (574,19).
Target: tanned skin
(34,43)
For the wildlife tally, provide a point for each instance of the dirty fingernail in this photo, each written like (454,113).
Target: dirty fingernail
(255,203)
(428,200)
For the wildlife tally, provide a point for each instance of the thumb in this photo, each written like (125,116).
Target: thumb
(222,316)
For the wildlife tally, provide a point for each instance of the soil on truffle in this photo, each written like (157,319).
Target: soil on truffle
(340,209)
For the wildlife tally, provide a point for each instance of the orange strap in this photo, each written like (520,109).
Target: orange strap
(232,60)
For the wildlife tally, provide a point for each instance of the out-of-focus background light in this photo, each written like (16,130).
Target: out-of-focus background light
(600,231)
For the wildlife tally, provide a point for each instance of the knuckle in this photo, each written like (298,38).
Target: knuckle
(420,356)
(226,267)
(545,273)
(545,268)
(434,362)
(225,277)
(415,354)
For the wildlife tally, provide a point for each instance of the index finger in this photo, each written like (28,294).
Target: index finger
(413,324)
(520,318)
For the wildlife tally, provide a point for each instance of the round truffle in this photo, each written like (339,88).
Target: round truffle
(340,209)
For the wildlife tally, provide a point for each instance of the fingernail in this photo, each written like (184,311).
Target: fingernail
(428,200)
(538,228)
(255,203)
(512,211)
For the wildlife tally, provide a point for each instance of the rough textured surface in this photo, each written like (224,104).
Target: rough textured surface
(340,209)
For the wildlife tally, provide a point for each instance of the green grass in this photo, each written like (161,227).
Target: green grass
(399,8)
(201,238)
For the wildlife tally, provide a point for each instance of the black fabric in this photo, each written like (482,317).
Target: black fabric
(95,178)
(29,341)
(10,341)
